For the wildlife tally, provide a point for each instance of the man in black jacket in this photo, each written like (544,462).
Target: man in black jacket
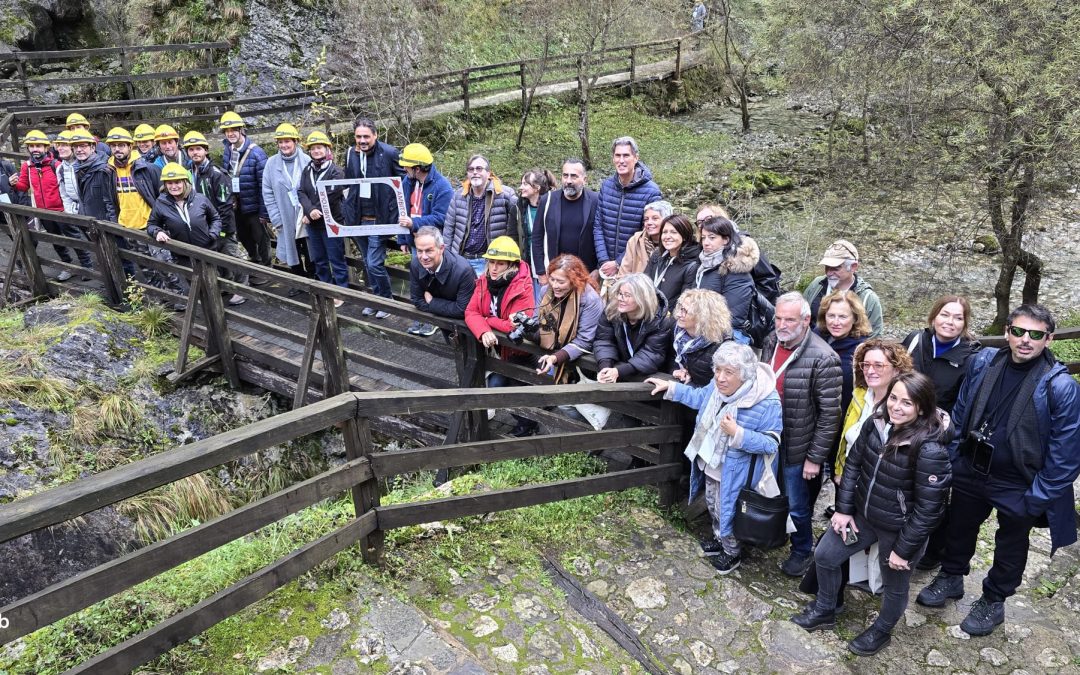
(808,379)
(372,204)
(565,220)
(216,185)
(440,281)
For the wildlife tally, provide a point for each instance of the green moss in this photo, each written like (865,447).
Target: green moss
(760,181)
(988,242)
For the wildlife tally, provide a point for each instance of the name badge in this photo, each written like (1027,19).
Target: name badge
(365,190)
(236,184)
(4,199)
(294,200)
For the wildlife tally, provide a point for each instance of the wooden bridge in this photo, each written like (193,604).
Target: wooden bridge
(341,371)
(451,91)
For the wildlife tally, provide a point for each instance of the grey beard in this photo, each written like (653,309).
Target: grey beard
(571,191)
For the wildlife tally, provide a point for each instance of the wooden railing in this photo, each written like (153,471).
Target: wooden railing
(467,441)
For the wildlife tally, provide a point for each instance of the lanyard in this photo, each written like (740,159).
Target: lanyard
(182,209)
(416,199)
(293,175)
(240,162)
(658,275)
(626,336)
(787,362)
(315,180)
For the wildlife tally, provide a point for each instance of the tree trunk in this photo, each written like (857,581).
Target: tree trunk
(744,103)
(583,114)
(526,106)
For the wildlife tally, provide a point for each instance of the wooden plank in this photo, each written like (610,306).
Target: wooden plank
(107,51)
(71,595)
(670,451)
(190,310)
(373,404)
(307,361)
(214,309)
(25,248)
(404,515)
(59,110)
(194,620)
(387,464)
(112,79)
(74,499)
(205,363)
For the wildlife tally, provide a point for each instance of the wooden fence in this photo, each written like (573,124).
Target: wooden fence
(465,86)
(467,441)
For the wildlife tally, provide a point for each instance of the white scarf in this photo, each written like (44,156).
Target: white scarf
(710,443)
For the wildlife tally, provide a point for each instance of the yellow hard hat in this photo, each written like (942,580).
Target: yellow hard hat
(144,132)
(80,136)
(416,154)
(76,118)
(36,136)
(118,135)
(286,130)
(63,138)
(503,248)
(318,138)
(165,133)
(174,171)
(231,120)
(195,138)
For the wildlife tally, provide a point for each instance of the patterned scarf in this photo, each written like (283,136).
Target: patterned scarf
(708,261)
(686,343)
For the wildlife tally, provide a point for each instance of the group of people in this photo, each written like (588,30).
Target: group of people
(923,438)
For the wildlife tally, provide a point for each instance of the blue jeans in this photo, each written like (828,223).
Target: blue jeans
(802,540)
(374,259)
(479,265)
(328,255)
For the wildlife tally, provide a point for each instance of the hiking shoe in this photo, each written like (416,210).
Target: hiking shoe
(237,299)
(426,330)
(984,617)
(810,619)
(942,588)
(64,275)
(338,302)
(414,328)
(711,547)
(725,563)
(368,311)
(796,565)
(258,281)
(870,641)
(524,428)
(381,314)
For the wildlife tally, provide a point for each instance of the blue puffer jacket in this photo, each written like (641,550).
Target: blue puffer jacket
(1056,464)
(761,425)
(435,200)
(621,212)
(251,175)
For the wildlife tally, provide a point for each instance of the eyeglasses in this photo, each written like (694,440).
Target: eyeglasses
(681,311)
(477,169)
(624,296)
(1018,332)
(876,367)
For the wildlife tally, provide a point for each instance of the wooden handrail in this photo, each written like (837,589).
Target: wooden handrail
(109,51)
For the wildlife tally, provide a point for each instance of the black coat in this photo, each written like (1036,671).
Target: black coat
(902,491)
(203,230)
(309,194)
(699,364)
(451,288)
(216,185)
(381,163)
(97,189)
(548,226)
(678,276)
(651,342)
(732,279)
(946,371)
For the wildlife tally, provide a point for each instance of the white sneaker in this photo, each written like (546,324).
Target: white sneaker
(63,276)
(381,314)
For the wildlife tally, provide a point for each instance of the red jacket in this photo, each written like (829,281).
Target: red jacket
(518,298)
(42,179)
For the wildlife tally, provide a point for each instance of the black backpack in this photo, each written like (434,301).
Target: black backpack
(767,278)
(759,320)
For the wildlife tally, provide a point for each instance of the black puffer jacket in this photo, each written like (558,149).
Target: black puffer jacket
(699,364)
(673,279)
(651,342)
(732,279)
(902,491)
(811,399)
(946,371)
(202,228)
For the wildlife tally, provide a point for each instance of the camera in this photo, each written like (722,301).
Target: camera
(979,450)
(524,325)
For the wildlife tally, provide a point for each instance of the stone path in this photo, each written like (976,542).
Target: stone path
(509,618)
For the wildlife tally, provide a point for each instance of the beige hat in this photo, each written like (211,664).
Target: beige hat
(840,251)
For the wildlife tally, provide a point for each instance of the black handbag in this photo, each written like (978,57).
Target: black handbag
(759,520)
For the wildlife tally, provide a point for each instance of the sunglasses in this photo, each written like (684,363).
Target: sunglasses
(1018,332)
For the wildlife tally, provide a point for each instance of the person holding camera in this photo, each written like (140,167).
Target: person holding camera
(892,492)
(566,318)
(1016,451)
(503,291)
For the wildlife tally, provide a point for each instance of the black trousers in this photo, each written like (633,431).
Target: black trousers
(253,237)
(967,512)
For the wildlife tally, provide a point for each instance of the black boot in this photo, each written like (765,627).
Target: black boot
(870,641)
(811,619)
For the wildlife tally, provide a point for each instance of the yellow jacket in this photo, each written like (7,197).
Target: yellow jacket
(851,418)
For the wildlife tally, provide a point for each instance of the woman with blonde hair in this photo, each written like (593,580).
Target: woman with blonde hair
(702,323)
(633,339)
(843,322)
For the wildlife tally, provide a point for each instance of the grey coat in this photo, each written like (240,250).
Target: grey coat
(276,188)
(501,215)
(811,399)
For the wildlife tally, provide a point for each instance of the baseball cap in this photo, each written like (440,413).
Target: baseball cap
(840,251)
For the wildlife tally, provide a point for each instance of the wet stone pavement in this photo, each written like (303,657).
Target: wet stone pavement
(510,618)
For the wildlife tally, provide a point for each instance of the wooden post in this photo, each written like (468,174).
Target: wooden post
(669,452)
(110,266)
(307,361)
(524,88)
(218,340)
(125,68)
(24,245)
(633,68)
(20,66)
(188,325)
(14,131)
(464,93)
(678,60)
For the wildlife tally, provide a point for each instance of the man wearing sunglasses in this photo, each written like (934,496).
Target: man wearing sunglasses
(1016,448)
